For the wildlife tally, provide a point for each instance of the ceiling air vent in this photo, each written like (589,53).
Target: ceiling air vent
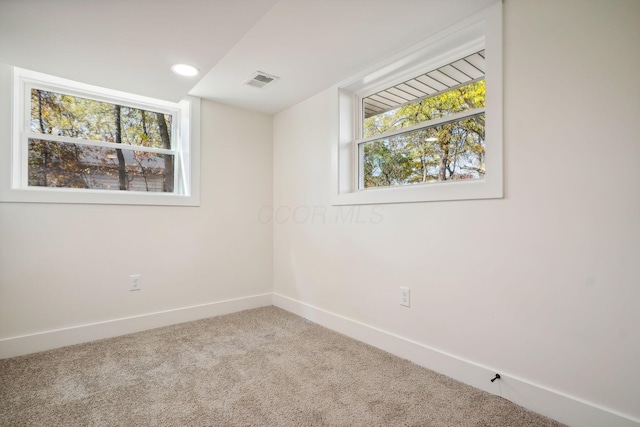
(260,80)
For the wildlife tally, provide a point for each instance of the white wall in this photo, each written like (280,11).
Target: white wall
(541,285)
(64,265)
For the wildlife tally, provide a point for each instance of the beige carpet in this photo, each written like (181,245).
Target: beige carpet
(263,367)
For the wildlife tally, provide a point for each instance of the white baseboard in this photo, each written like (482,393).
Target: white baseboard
(553,404)
(25,344)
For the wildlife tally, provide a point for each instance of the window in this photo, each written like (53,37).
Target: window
(426,125)
(83,144)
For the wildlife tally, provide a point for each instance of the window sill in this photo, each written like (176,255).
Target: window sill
(82,196)
(432,192)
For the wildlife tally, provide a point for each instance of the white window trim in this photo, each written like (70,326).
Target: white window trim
(480,31)
(13,185)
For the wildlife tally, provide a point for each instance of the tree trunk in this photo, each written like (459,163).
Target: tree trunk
(45,147)
(444,163)
(122,169)
(423,164)
(168,159)
(144,123)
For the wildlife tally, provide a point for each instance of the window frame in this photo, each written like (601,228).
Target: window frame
(480,31)
(185,145)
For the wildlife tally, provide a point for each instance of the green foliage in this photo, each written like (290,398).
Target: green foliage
(450,151)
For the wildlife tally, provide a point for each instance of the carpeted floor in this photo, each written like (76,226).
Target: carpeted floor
(262,367)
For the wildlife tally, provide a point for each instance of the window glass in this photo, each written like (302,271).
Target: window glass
(443,112)
(55,160)
(449,152)
(72,116)
(462,99)
(65,165)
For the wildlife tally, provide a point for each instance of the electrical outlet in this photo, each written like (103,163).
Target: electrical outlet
(405,297)
(135,283)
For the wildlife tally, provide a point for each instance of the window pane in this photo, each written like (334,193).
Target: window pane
(444,104)
(56,164)
(448,152)
(75,117)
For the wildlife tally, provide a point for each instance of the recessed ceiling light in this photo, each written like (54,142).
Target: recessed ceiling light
(185,70)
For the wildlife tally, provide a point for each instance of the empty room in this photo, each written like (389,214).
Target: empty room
(319,213)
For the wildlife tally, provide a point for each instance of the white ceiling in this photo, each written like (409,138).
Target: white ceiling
(130,44)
